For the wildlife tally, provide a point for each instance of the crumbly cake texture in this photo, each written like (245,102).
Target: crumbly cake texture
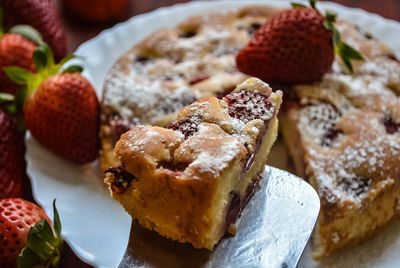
(190,181)
(342,133)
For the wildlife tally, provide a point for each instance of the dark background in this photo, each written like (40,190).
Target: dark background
(79,32)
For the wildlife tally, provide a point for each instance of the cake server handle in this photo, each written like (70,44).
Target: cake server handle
(272,231)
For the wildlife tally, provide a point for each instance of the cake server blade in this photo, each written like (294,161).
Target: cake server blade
(272,231)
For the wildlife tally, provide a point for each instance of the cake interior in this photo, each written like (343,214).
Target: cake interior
(230,196)
(191,180)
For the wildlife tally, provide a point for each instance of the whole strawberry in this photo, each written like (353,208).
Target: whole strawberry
(41,15)
(26,236)
(16,49)
(96,10)
(295,46)
(61,108)
(12,161)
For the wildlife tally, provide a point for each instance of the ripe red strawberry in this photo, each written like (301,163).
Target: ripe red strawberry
(96,10)
(41,15)
(61,109)
(295,46)
(12,161)
(16,49)
(25,226)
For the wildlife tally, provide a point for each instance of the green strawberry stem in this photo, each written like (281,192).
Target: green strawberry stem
(44,244)
(46,67)
(345,51)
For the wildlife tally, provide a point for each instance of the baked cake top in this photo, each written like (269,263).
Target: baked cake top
(173,67)
(350,125)
(206,138)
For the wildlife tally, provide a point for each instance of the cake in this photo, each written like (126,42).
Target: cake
(342,132)
(190,180)
(343,135)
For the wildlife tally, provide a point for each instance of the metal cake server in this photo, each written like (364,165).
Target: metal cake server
(272,231)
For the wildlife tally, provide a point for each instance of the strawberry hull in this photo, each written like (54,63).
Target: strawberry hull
(62,114)
(14,51)
(292,47)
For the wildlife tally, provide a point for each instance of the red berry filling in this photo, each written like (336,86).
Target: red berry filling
(390,125)
(330,135)
(234,208)
(198,79)
(253,28)
(356,185)
(187,34)
(122,178)
(248,105)
(188,126)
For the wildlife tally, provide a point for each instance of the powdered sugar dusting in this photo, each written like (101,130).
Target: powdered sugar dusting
(342,172)
(317,120)
(159,76)
(147,103)
(214,163)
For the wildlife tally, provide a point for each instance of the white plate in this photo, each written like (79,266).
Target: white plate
(95,226)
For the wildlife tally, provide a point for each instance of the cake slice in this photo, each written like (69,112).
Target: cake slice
(190,181)
(343,134)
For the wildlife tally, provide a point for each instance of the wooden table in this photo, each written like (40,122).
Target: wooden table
(79,32)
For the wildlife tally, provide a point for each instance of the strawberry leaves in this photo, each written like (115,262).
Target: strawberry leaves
(312,4)
(27,32)
(44,62)
(73,69)
(294,4)
(6,97)
(18,75)
(40,57)
(344,50)
(44,244)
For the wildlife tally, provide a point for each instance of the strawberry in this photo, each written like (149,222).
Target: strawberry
(25,226)
(295,46)
(96,10)
(12,161)
(43,16)
(16,49)
(61,108)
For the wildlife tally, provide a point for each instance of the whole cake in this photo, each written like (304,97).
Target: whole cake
(190,181)
(343,132)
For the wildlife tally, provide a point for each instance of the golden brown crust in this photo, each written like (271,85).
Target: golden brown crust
(348,144)
(184,175)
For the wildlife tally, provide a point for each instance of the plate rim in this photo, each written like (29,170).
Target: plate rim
(154,13)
